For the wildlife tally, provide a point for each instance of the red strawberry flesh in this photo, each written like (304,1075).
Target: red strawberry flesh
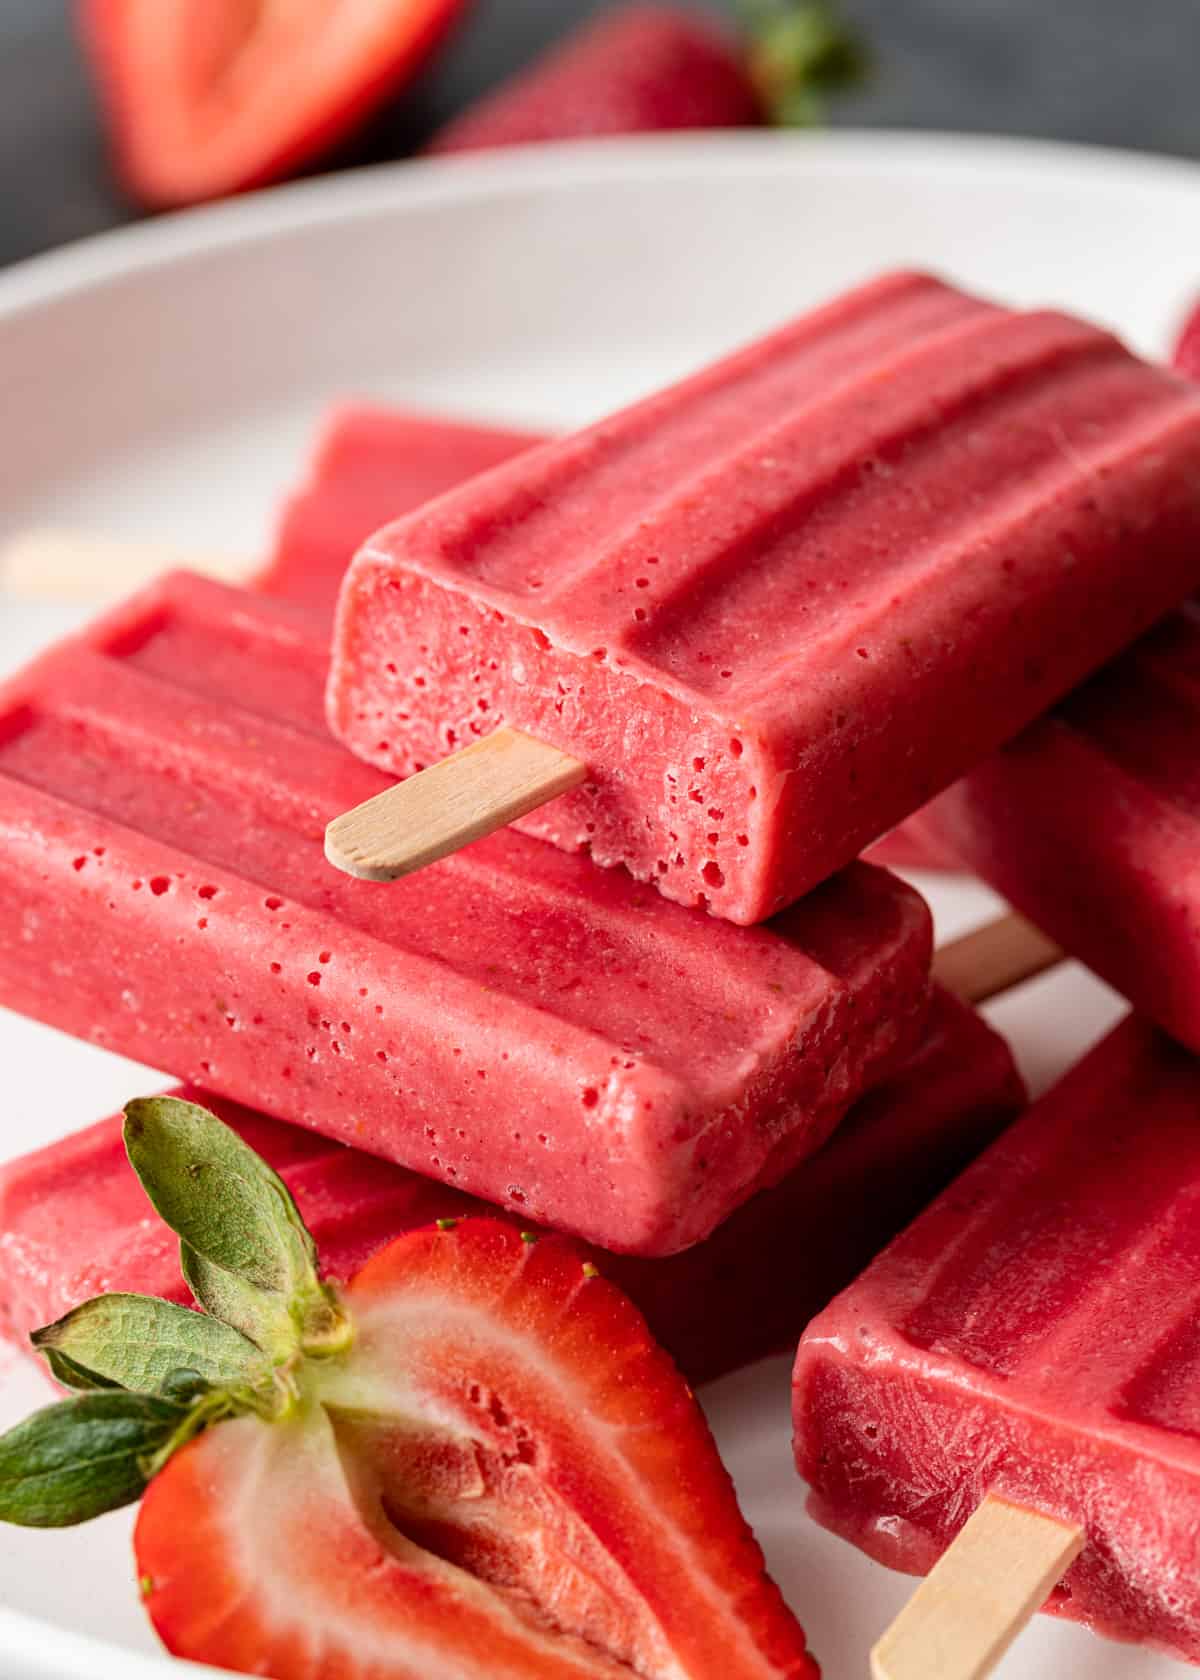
(506,1477)
(207,97)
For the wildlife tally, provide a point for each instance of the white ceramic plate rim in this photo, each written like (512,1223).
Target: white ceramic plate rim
(332,199)
(49,1652)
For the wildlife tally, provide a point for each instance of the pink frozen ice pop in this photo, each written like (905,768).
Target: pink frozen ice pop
(927,840)
(1089,822)
(768,612)
(165,779)
(74,1222)
(1025,1356)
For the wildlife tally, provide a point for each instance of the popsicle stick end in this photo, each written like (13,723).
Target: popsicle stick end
(994,958)
(440,810)
(978,1596)
(50,565)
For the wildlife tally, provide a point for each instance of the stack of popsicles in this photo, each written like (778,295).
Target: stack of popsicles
(709,649)
(745,1291)
(1021,1362)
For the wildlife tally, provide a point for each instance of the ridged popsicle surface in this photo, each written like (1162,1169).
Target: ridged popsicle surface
(1035,1333)
(780,605)
(1089,822)
(549,1036)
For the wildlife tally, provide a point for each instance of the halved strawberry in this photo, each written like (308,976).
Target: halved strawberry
(505,1477)
(472,1464)
(208,97)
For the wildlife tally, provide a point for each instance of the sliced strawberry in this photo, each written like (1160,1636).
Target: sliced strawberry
(504,1477)
(636,69)
(1186,356)
(472,1464)
(212,96)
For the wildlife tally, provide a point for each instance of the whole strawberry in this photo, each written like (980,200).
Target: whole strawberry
(647,68)
(473,1462)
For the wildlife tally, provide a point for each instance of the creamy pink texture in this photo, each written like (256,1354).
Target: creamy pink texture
(780,605)
(1089,822)
(549,1036)
(75,1223)
(1035,1333)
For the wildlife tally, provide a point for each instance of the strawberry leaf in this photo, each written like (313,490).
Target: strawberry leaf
(246,1253)
(136,1341)
(218,1195)
(257,1314)
(71,1374)
(152,1374)
(70,1462)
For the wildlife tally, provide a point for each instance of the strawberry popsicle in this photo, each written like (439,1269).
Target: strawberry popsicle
(164,781)
(371,464)
(911,847)
(1033,1336)
(927,839)
(1089,822)
(769,612)
(74,1222)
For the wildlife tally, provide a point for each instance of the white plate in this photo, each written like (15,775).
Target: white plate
(162,381)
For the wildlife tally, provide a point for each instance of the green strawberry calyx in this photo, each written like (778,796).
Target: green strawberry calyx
(149,1375)
(799,52)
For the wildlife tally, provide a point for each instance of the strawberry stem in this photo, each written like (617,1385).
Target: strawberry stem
(209,1408)
(799,52)
(325,1329)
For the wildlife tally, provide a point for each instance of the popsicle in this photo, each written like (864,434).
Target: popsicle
(771,610)
(164,781)
(373,463)
(369,464)
(73,1222)
(1032,1337)
(919,843)
(1089,823)
(911,847)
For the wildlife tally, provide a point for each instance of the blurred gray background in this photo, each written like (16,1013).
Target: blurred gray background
(1110,71)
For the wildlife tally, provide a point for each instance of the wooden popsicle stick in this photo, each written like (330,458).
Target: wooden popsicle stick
(994,958)
(440,810)
(46,565)
(978,1596)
